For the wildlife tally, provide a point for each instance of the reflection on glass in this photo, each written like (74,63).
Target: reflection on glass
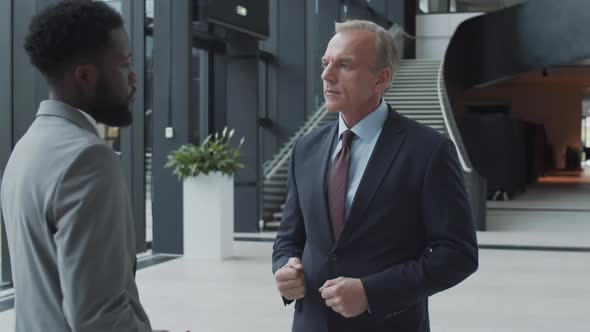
(148,102)
(116,4)
(111,134)
(0,251)
(462,6)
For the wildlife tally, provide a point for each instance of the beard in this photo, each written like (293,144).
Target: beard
(108,109)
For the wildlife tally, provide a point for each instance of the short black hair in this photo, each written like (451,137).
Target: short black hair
(70,31)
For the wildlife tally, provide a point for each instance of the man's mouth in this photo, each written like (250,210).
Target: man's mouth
(132,94)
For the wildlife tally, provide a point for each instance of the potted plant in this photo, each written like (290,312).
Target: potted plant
(207,172)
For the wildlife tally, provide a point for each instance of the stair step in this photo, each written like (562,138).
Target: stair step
(267,190)
(425,71)
(396,94)
(415,80)
(413,88)
(420,65)
(438,121)
(431,101)
(432,90)
(418,107)
(272,225)
(431,76)
(275,199)
(409,76)
(273,183)
(434,70)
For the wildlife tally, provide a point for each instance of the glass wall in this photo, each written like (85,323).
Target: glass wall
(112,134)
(132,143)
(463,6)
(149,97)
(5,117)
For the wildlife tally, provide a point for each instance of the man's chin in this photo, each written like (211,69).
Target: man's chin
(332,107)
(120,120)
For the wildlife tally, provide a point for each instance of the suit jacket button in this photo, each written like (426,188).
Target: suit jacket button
(333,258)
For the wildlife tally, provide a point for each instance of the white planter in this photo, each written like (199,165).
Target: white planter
(208,216)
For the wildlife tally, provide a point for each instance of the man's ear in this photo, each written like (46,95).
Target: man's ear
(86,78)
(383,78)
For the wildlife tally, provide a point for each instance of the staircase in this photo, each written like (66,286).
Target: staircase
(414,94)
(276,170)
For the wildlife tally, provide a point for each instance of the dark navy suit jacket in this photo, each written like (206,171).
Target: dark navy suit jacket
(409,233)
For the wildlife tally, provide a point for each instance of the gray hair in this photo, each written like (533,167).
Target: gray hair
(386,47)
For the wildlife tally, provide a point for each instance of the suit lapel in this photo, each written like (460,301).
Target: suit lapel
(390,141)
(65,111)
(320,177)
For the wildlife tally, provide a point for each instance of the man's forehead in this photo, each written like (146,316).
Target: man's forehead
(355,38)
(349,43)
(120,44)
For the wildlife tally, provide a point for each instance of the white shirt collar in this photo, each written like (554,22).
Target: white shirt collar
(89,118)
(369,126)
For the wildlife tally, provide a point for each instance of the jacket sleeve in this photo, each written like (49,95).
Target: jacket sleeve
(92,216)
(291,235)
(450,254)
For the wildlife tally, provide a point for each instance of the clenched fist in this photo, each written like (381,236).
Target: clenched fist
(290,280)
(345,296)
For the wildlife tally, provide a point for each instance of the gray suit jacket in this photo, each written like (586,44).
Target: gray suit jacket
(70,229)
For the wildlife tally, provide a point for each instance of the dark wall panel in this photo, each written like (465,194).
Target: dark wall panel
(136,131)
(5,82)
(291,68)
(5,118)
(171,106)
(29,87)
(242,115)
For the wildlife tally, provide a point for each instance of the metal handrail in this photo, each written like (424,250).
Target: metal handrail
(450,123)
(283,156)
(286,149)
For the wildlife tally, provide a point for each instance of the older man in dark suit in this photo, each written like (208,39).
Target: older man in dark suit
(376,218)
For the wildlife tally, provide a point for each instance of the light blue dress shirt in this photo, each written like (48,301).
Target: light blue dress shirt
(367,132)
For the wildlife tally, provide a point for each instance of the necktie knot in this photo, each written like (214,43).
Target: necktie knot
(347,137)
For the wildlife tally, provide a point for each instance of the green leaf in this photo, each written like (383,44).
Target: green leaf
(214,154)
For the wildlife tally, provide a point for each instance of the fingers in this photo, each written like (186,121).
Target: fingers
(337,306)
(329,283)
(287,273)
(294,294)
(334,302)
(292,289)
(290,279)
(295,263)
(290,284)
(329,292)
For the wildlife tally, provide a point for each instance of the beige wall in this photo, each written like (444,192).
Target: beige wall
(557,107)
(434,31)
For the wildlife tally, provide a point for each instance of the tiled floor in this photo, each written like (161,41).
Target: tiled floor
(513,291)
(553,212)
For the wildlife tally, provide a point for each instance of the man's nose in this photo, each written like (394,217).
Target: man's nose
(132,76)
(327,74)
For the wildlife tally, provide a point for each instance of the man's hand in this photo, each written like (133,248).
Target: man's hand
(345,296)
(290,280)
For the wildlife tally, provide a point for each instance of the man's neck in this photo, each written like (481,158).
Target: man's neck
(352,119)
(57,96)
